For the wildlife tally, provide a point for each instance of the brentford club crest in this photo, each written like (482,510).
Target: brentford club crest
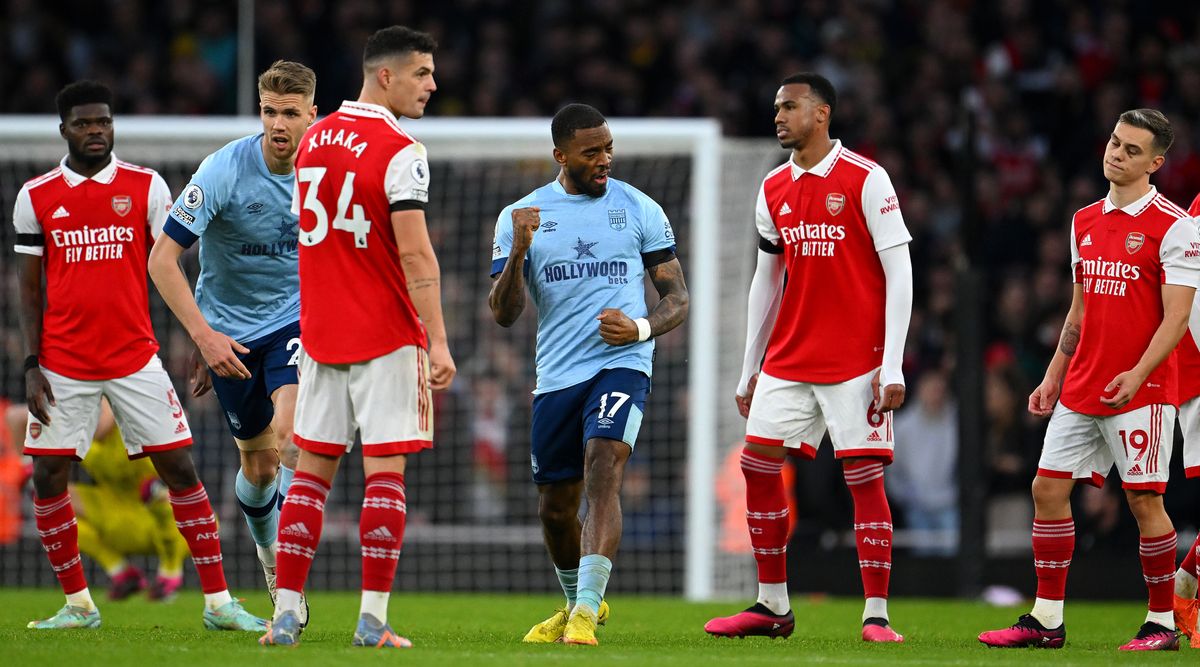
(1134,241)
(122,205)
(35,430)
(835,202)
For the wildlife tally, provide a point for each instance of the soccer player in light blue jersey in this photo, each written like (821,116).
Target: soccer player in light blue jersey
(584,244)
(245,316)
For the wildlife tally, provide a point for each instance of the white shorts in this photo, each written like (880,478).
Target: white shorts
(144,404)
(797,414)
(1085,447)
(1189,423)
(387,399)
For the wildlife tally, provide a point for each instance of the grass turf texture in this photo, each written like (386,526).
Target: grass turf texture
(487,630)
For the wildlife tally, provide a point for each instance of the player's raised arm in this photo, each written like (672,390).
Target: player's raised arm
(507,298)
(423,275)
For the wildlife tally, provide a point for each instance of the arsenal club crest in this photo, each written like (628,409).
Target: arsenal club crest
(122,205)
(835,202)
(1134,241)
(35,429)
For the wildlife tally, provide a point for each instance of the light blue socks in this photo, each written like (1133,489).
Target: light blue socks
(594,570)
(259,507)
(568,579)
(285,480)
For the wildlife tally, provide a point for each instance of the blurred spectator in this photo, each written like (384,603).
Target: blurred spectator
(924,479)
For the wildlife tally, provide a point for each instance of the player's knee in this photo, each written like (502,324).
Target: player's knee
(50,475)
(284,442)
(1051,493)
(289,453)
(557,515)
(1144,504)
(176,469)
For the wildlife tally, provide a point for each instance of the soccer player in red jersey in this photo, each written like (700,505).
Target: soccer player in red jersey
(1111,390)
(833,335)
(370,321)
(89,223)
(1186,604)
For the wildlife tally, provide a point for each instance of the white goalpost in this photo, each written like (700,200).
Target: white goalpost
(473,520)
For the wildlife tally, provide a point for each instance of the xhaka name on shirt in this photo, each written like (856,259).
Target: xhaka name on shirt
(342,138)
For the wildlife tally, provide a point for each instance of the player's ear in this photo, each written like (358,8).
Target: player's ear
(559,156)
(1156,163)
(312,114)
(62,130)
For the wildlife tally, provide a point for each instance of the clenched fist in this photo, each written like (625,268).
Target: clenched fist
(525,222)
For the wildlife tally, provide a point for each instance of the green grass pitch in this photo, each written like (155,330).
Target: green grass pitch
(485,631)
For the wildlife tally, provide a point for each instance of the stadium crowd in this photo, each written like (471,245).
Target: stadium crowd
(1045,80)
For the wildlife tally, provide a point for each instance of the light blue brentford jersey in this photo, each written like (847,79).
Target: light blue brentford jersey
(249,284)
(586,256)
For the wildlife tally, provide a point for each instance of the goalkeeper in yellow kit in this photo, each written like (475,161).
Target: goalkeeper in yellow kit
(122,510)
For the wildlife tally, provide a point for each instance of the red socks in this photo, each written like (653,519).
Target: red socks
(381,529)
(766,515)
(196,522)
(56,526)
(1053,544)
(1189,561)
(300,524)
(872,526)
(1158,569)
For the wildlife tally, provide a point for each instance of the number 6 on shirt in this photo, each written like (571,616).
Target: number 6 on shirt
(357,223)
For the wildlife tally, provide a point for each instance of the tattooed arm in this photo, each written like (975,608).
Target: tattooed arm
(616,328)
(423,276)
(1043,399)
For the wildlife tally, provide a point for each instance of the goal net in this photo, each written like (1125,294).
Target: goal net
(472,512)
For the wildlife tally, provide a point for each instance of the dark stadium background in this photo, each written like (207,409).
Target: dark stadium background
(989,116)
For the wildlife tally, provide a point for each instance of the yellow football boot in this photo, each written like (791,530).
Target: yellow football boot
(551,629)
(581,627)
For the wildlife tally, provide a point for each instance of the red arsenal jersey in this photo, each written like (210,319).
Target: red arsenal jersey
(94,236)
(1122,257)
(353,169)
(830,222)
(1187,354)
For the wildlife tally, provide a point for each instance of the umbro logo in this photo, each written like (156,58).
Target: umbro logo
(1087,240)
(605,421)
(1135,471)
(60,213)
(181,428)
(549,226)
(255,207)
(380,533)
(296,530)
(785,209)
(874,437)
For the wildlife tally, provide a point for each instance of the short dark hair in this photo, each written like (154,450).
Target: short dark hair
(80,93)
(1154,121)
(572,118)
(397,40)
(821,87)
